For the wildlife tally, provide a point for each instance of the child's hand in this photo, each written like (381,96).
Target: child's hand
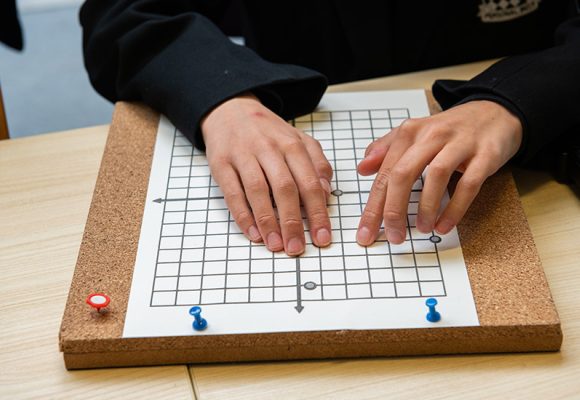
(475,138)
(251,151)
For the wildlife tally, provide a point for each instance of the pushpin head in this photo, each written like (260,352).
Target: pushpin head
(432,315)
(98,301)
(199,324)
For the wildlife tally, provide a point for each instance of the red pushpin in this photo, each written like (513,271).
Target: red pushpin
(98,301)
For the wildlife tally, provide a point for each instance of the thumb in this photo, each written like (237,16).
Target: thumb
(374,156)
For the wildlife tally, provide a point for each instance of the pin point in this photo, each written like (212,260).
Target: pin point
(98,301)
(199,324)
(432,315)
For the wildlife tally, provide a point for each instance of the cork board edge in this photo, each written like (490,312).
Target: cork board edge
(125,118)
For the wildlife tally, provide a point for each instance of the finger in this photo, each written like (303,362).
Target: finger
(372,216)
(404,174)
(235,199)
(467,188)
(437,178)
(312,195)
(374,156)
(258,193)
(321,164)
(287,201)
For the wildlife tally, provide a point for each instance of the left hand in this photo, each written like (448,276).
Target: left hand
(475,138)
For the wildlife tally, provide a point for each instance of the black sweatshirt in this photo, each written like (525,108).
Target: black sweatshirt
(174,55)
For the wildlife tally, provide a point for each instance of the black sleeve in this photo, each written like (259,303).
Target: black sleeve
(542,89)
(171,56)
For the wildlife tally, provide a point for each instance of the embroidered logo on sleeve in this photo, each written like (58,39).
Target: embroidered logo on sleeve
(505,10)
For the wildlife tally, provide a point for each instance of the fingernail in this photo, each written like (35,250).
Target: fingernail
(323,237)
(394,236)
(295,246)
(444,226)
(364,236)
(254,233)
(274,241)
(325,186)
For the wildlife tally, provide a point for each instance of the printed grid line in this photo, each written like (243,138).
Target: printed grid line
(188,164)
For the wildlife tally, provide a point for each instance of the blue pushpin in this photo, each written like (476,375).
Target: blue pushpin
(432,315)
(199,324)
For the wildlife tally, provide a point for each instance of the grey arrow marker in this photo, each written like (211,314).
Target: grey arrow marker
(160,200)
(298,307)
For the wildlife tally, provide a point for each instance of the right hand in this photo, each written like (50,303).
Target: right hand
(250,151)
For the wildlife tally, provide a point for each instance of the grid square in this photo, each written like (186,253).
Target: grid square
(333,277)
(237,295)
(214,267)
(360,291)
(357,276)
(190,268)
(381,275)
(405,274)
(213,281)
(284,294)
(170,243)
(238,281)
(189,297)
(383,290)
(190,283)
(261,295)
(429,273)
(285,279)
(334,292)
(163,299)
(407,289)
(261,280)
(215,296)
(165,283)
(170,269)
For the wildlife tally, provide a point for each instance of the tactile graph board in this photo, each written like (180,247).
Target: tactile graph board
(191,251)
(513,305)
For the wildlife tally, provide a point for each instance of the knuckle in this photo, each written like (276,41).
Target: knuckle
(256,184)
(293,145)
(286,186)
(318,216)
(311,184)
(242,217)
(293,223)
(371,215)
(438,170)
(382,179)
(218,161)
(392,217)
(265,219)
(234,197)
(400,172)
(470,184)
(408,126)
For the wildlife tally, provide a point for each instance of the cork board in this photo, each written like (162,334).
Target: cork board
(512,297)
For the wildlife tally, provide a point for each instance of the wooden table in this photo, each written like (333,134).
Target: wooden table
(46,185)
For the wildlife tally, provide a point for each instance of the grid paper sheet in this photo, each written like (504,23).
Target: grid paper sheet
(191,252)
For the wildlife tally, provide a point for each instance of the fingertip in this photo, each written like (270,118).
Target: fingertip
(444,226)
(295,247)
(364,236)
(323,237)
